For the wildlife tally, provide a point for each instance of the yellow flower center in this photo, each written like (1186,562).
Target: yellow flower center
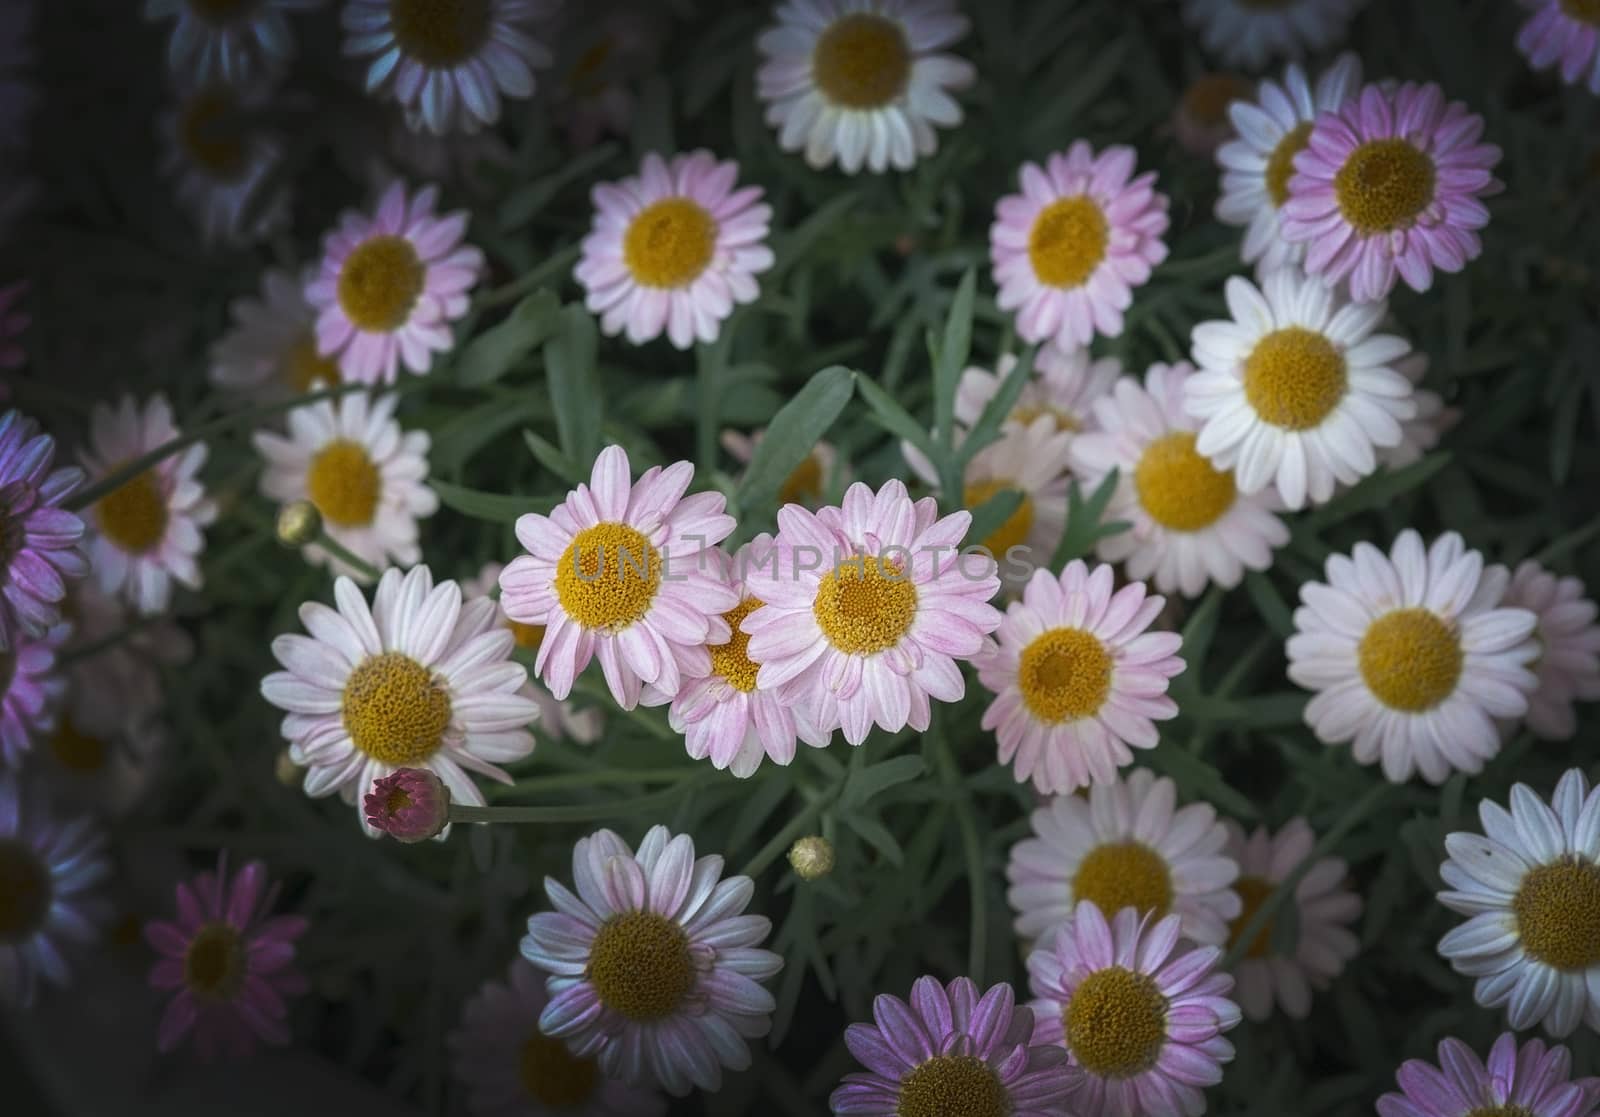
(1558,913)
(1208,97)
(1068,241)
(220,11)
(1178,488)
(1120,875)
(1294,378)
(804,485)
(380,282)
(608,576)
(528,636)
(395,710)
(76,750)
(1584,11)
(586,78)
(1065,421)
(1116,1023)
(1064,674)
(25,891)
(953,1086)
(669,243)
(553,1076)
(1017,525)
(134,515)
(865,605)
(1280,164)
(344,484)
(1410,659)
(862,61)
(397,800)
(211,135)
(640,965)
(440,33)
(731,661)
(1383,185)
(303,367)
(1253,892)
(213,966)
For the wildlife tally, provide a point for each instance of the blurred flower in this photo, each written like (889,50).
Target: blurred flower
(950,1051)
(807,484)
(14,322)
(270,353)
(674,248)
(221,157)
(1531,892)
(42,539)
(812,857)
(1250,33)
(1068,251)
(31,689)
(1568,665)
(417,680)
(1531,1079)
(861,82)
(609,51)
(1064,385)
(1564,34)
(475,160)
(1412,655)
(1124,845)
(229,41)
(409,805)
(1190,524)
(1420,434)
(1201,120)
(655,972)
(17,92)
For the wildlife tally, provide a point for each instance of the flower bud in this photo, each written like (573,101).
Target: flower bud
(411,805)
(299,523)
(812,857)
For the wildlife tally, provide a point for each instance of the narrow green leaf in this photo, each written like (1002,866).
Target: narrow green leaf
(793,433)
(871,781)
(554,460)
(875,834)
(1269,603)
(1376,491)
(786,249)
(524,204)
(1084,522)
(950,358)
(569,361)
(1198,632)
(1000,405)
(491,354)
(891,416)
(495,507)
(988,516)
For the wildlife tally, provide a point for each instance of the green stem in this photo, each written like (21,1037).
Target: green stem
(577,812)
(597,778)
(530,281)
(783,839)
(345,555)
(972,853)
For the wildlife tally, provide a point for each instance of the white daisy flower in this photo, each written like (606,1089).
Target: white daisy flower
(1251,33)
(366,477)
(861,81)
(418,680)
(1064,385)
(1297,390)
(221,158)
(1530,887)
(1421,433)
(1412,656)
(1568,664)
(271,351)
(1191,526)
(229,41)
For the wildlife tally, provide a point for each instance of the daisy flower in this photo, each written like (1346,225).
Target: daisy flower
(1076,678)
(862,81)
(1191,525)
(1271,129)
(807,484)
(270,353)
(1249,33)
(390,285)
(1141,1019)
(228,41)
(230,962)
(616,571)
(366,477)
(1564,34)
(1064,385)
(1201,120)
(1532,1080)
(103,771)
(145,534)
(14,323)
(868,607)
(1322,908)
(1568,664)
(447,64)
(1389,185)
(1530,887)
(609,52)
(951,1050)
(221,158)
(1412,655)
(474,160)
(49,872)
(418,680)
(674,248)
(654,971)
(1422,433)
(43,539)
(1126,846)
(509,1068)
(1297,390)
(1068,251)
(31,689)
(118,688)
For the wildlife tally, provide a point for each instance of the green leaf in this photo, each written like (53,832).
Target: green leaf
(1269,603)
(863,785)
(1376,491)
(491,354)
(1199,630)
(793,433)
(999,407)
(1084,527)
(950,357)
(988,516)
(569,361)
(523,205)
(554,460)
(794,245)
(494,507)
(1198,780)
(471,429)
(875,834)
(891,416)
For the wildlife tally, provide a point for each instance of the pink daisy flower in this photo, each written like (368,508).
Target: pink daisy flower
(391,284)
(43,537)
(14,321)
(1531,1079)
(674,248)
(31,690)
(1565,34)
(1568,667)
(868,606)
(616,571)
(1068,251)
(231,962)
(1389,185)
(1141,1019)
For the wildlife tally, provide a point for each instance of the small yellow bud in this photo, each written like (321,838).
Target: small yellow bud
(299,523)
(287,771)
(812,857)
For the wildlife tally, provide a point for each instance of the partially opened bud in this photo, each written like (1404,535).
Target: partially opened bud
(299,523)
(412,805)
(811,857)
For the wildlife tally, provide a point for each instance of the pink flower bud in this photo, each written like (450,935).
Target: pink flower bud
(412,805)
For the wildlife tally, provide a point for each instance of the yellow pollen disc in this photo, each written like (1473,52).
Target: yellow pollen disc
(1116,1023)
(1253,892)
(1065,422)
(76,750)
(1064,674)
(669,243)
(1178,488)
(344,484)
(134,516)
(397,800)
(1410,659)
(608,576)
(1558,913)
(1124,875)
(213,966)
(1015,530)
(211,135)
(440,33)
(862,61)
(1208,97)
(380,282)
(865,605)
(1584,11)
(732,660)
(24,891)
(395,710)
(1068,241)
(303,367)
(553,1076)
(804,485)
(640,965)
(953,1086)
(1280,164)
(528,636)
(1383,185)
(1294,378)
